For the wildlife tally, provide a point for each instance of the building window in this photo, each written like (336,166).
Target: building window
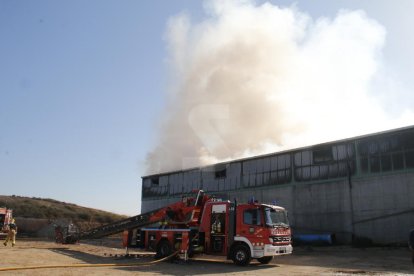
(151,187)
(322,155)
(386,163)
(325,162)
(397,161)
(364,164)
(409,159)
(386,152)
(375,164)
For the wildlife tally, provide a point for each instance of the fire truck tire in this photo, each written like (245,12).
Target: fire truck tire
(164,249)
(241,255)
(265,260)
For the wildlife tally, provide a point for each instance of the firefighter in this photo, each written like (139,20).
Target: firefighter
(411,244)
(11,236)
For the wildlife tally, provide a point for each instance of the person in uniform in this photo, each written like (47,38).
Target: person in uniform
(11,236)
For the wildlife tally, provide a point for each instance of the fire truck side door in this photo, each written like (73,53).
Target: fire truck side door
(251,225)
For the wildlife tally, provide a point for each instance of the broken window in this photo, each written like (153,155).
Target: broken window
(155,181)
(221,173)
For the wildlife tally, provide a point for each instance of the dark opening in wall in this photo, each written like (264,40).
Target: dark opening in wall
(155,181)
(220,173)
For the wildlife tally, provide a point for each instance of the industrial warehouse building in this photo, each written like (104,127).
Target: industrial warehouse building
(358,188)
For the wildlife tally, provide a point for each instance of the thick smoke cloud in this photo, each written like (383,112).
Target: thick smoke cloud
(252,79)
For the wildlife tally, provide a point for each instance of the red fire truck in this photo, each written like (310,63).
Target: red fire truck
(208,225)
(202,223)
(5,219)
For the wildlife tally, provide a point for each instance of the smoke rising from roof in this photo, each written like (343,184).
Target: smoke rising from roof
(253,79)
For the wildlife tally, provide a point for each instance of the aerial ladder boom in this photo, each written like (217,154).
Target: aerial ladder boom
(186,211)
(121,225)
(109,229)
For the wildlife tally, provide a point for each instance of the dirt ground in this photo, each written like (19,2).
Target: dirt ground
(335,260)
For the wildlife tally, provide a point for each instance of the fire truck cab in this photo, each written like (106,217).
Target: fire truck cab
(245,231)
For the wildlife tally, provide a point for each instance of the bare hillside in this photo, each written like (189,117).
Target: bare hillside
(45,209)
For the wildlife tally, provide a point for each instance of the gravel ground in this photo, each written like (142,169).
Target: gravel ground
(335,260)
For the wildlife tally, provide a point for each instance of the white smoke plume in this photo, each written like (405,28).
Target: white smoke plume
(252,79)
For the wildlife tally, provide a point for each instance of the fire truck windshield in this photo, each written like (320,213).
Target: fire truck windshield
(276,217)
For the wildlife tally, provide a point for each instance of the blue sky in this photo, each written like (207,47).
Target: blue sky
(83,84)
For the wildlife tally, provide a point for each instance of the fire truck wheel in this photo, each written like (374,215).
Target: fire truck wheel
(265,260)
(164,249)
(241,255)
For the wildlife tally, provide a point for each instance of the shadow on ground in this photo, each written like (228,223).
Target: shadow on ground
(171,267)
